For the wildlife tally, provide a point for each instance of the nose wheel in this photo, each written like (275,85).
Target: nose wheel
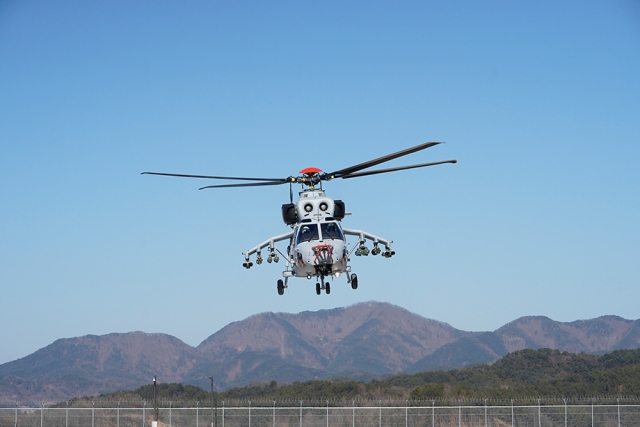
(326,287)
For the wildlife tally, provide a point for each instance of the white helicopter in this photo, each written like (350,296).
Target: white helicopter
(317,243)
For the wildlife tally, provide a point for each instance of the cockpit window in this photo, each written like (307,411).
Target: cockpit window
(330,230)
(307,233)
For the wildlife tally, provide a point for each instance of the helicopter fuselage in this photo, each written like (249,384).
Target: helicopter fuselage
(317,243)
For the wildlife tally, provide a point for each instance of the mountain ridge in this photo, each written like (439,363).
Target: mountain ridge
(365,340)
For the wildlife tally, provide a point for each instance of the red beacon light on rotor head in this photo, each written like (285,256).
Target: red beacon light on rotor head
(310,171)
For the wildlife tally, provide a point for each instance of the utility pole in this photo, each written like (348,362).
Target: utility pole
(155,402)
(214,415)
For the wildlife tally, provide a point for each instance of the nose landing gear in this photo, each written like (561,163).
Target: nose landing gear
(320,287)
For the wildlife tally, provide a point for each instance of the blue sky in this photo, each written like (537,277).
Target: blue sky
(538,101)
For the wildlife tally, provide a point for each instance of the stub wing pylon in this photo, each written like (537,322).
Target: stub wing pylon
(361,249)
(271,243)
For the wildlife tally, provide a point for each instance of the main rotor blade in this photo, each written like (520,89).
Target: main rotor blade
(279,180)
(374,172)
(256,184)
(351,169)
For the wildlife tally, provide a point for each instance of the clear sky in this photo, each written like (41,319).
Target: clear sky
(538,101)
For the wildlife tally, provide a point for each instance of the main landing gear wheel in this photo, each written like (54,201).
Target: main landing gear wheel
(327,288)
(354,281)
(318,290)
(280,287)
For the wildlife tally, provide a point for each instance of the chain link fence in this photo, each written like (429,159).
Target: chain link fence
(315,415)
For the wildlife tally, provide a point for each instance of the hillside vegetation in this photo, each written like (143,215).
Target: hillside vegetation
(529,373)
(361,342)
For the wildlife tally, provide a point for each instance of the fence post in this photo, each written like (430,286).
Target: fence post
(485,413)
(618,412)
(353,413)
(539,415)
(327,413)
(512,420)
(433,413)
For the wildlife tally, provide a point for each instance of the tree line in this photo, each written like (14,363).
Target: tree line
(542,372)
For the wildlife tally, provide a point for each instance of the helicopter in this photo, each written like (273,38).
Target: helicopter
(317,240)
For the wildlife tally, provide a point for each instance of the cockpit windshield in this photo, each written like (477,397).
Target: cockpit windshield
(307,233)
(331,230)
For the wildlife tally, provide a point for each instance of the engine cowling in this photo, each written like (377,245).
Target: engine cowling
(338,210)
(289,214)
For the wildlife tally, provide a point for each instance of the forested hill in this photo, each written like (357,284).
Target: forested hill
(542,372)
(363,341)
(525,373)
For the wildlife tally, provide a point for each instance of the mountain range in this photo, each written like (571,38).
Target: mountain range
(363,341)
